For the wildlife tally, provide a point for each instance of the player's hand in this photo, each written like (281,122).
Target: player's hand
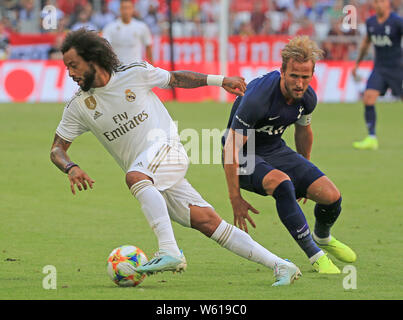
(241,208)
(234,85)
(80,179)
(355,74)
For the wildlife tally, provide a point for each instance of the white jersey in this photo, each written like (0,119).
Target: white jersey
(125,115)
(128,40)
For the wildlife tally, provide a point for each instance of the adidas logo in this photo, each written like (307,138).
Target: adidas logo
(97,114)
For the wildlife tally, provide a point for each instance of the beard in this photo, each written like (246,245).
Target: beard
(291,93)
(89,78)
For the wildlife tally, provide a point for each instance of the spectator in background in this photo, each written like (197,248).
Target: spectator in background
(257,17)
(267,27)
(327,47)
(210,11)
(103,17)
(59,16)
(306,28)
(152,19)
(9,14)
(114,7)
(190,10)
(283,5)
(129,37)
(29,18)
(84,19)
(69,7)
(142,7)
(4,42)
(299,11)
(246,30)
(286,22)
(340,47)
(55,52)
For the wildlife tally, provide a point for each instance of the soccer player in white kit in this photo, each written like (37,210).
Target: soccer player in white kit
(129,37)
(117,105)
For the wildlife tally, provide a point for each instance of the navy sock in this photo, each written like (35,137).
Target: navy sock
(293,218)
(326,216)
(370,119)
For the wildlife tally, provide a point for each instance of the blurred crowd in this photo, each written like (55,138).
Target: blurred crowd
(320,19)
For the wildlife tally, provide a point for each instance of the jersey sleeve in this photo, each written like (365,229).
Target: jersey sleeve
(251,109)
(70,127)
(152,77)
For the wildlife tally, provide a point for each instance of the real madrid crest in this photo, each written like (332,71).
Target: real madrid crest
(90,102)
(130,95)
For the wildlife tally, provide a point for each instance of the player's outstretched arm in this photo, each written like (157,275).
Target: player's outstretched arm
(59,157)
(190,79)
(240,207)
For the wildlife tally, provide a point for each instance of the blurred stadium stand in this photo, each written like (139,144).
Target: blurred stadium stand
(258,30)
(320,19)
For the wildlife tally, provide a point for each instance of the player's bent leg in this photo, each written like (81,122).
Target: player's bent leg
(327,210)
(169,257)
(280,186)
(207,221)
(370,142)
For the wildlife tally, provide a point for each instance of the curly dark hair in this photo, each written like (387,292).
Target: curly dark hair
(92,48)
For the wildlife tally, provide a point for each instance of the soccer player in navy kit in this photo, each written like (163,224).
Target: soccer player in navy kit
(270,104)
(385,31)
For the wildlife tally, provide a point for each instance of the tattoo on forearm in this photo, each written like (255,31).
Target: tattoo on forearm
(58,153)
(187,79)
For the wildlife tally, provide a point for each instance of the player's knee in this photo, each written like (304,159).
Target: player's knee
(133,177)
(273,179)
(370,97)
(330,197)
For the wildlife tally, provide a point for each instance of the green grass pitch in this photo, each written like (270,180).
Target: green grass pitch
(42,223)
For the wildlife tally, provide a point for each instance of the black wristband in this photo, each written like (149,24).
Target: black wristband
(69,166)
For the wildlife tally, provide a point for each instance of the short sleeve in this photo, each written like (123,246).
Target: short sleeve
(249,112)
(152,77)
(70,127)
(310,100)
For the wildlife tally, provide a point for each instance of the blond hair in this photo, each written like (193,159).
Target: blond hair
(301,49)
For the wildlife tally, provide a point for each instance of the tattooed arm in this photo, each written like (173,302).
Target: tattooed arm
(59,157)
(190,79)
(58,153)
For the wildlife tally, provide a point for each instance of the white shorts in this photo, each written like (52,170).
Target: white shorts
(167,164)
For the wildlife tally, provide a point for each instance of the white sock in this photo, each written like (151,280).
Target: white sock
(316,256)
(155,210)
(321,240)
(241,243)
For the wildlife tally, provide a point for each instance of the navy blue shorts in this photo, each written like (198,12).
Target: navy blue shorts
(383,78)
(301,171)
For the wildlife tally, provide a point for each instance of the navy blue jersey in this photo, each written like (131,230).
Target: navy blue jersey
(264,109)
(386,38)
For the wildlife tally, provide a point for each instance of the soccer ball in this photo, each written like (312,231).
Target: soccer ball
(121,264)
